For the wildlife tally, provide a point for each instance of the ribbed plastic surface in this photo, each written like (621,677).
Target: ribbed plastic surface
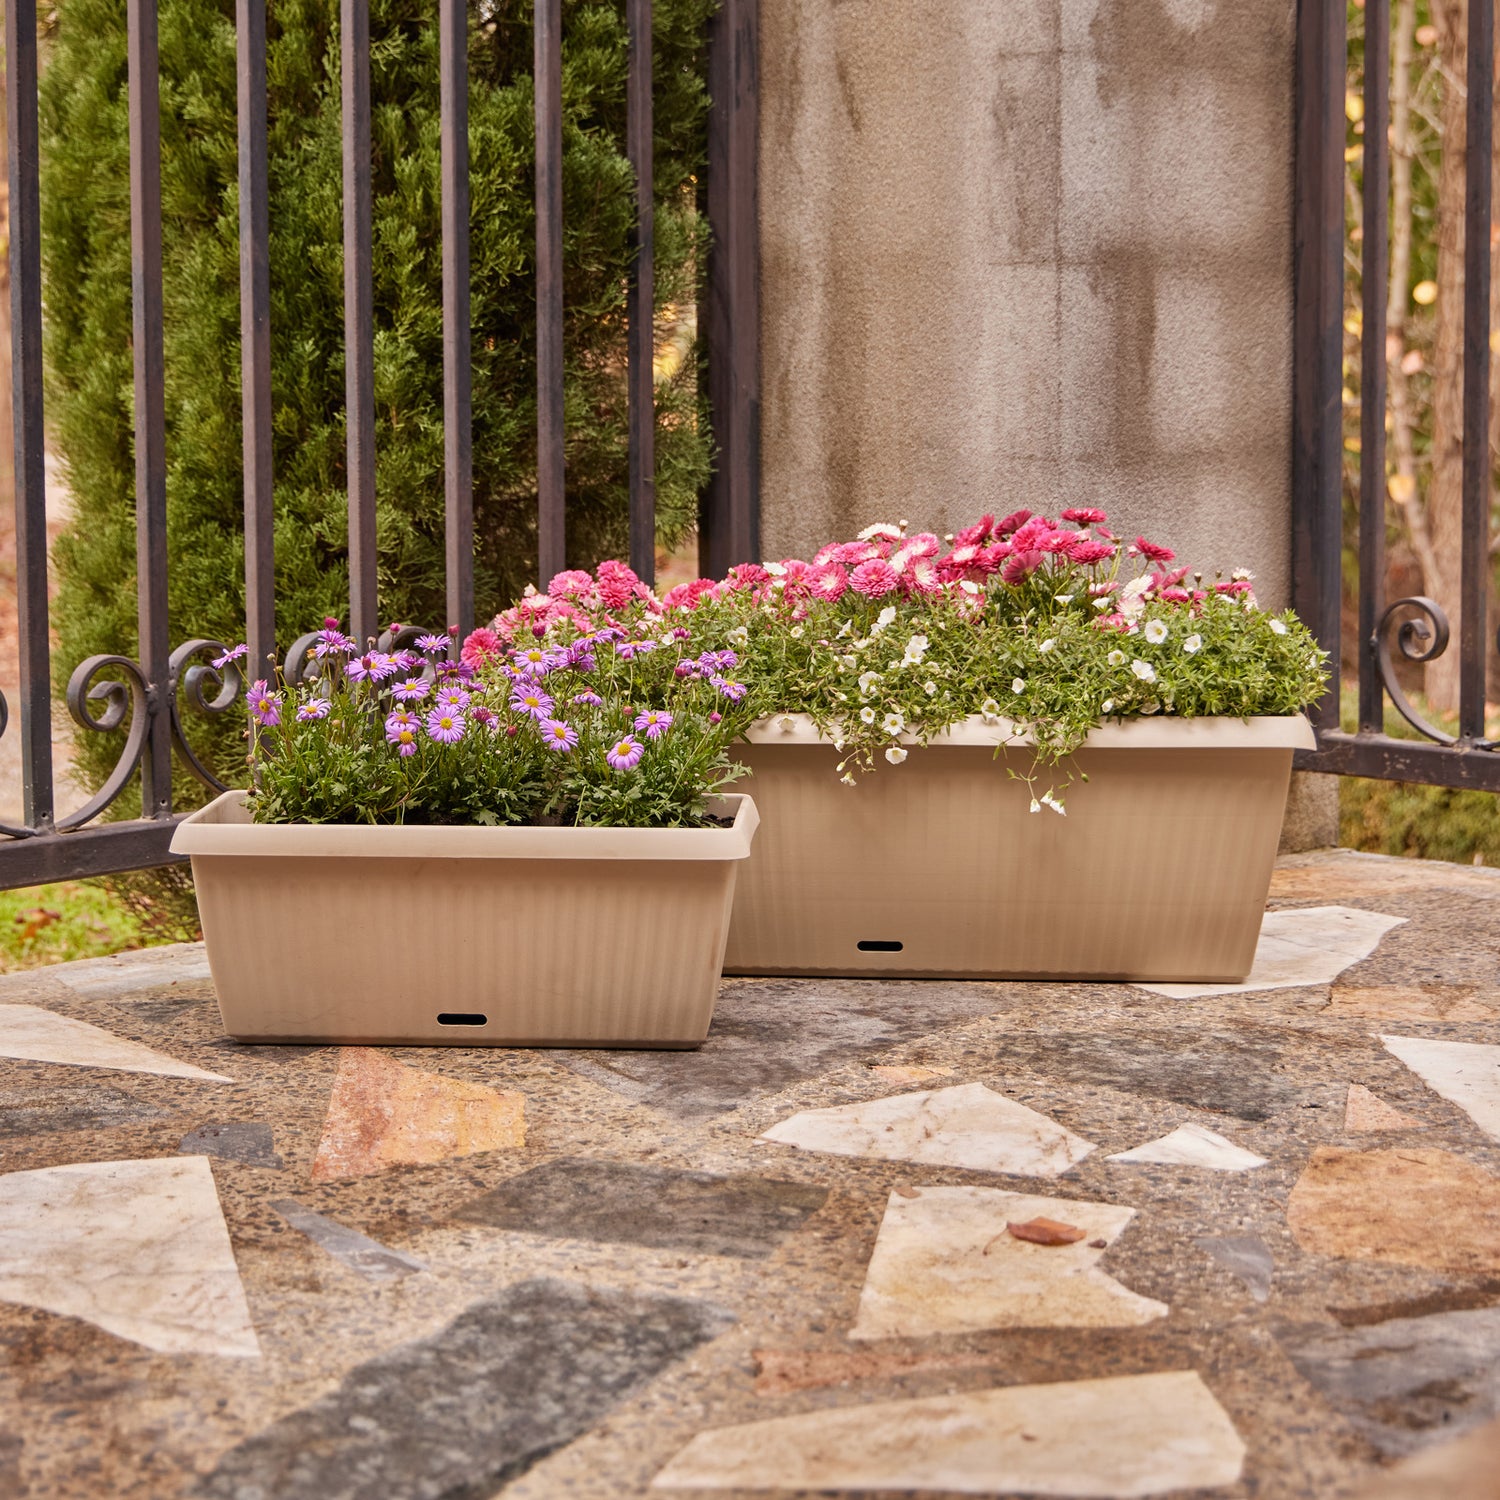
(619,948)
(937,868)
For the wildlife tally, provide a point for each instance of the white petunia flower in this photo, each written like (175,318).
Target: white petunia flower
(916,649)
(969,586)
(1107,706)
(895,754)
(1242,575)
(1063,598)
(1018,685)
(867,681)
(867,714)
(1133,595)
(1156,631)
(990,709)
(1116,658)
(738,636)
(1193,644)
(1278,627)
(847,780)
(930,688)
(775,569)
(1144,670)
(848,663)
(844,629)
(885,618)
(1048,800)
(796,632)
(1035,805)
(786,723)
(1103,603)
(1046,645)
(893,723)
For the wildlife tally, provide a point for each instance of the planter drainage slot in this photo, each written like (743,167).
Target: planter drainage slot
(882,945)
(462,1018)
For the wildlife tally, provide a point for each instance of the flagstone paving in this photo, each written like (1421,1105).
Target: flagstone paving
(874,1238)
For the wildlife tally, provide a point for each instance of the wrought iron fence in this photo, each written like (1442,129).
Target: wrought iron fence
(145,699)
(1416,628)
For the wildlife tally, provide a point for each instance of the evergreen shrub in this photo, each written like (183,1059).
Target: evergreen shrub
(86,246)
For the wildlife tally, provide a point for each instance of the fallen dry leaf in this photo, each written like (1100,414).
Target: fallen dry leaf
(904,1190)
(1046,1232)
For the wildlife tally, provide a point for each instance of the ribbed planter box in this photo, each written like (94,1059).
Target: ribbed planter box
(536,937)
(1159,870)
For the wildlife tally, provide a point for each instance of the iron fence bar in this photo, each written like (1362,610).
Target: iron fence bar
(134,845)
(1374,274)
(150,401)
(458,433)
(551,517)
(1476,462)
(27,413)
(641,310)
(255,337)
(359,317)
(729,517)
(1389,759)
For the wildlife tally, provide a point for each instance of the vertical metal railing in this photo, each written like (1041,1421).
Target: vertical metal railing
(143,698)
(1415,628)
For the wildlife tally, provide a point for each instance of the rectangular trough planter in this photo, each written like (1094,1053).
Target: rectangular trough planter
(537,937)
(937,867)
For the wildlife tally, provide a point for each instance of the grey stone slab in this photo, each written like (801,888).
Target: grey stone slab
(1214,1070)
(767,1034)
(1406,1382)
(53,1106)
(620,1202)
(1245,1256)
(248,1141)
(139,971)
(458,1415)
(348,1246)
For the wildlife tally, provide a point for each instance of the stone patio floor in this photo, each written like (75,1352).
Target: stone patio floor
(788,1261)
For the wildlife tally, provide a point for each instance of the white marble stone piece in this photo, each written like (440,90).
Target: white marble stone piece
(944,1263)
(1311,945)
(121,975)
(1193,1146)
(35,1034)
(1465,1073)
(1115,1438)
(139,1248)
(967,1125)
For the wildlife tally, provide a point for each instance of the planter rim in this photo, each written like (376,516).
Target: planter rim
(1158,732)
(224,827)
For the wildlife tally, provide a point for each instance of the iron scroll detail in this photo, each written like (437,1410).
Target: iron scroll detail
(1422,638)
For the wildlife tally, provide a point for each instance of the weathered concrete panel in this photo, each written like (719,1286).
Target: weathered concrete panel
(1034,253)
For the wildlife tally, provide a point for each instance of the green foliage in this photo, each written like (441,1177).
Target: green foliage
(460,747)
(1425,822)
(87,265)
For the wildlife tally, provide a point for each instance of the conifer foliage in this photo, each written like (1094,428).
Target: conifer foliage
(86,240)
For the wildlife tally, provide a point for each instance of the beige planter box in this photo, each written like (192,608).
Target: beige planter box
(534,937)
(937,867)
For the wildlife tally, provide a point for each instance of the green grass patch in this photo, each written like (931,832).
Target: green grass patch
(53,924)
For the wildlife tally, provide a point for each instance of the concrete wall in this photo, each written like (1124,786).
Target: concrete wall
(1029,252)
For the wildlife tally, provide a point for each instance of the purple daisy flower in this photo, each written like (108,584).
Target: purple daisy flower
(381,665)
(357,668)
(629,650)
(433,642)
(398,723)
(588,700)
(453,697)
(314,708)
(734,691)
(537,661)
(445,725)
(625,754)
(405,741)
(267,712)
(531,700)
(413,690)
(232,655)
(687,669)
(558,735)
(260,692)
(459,669)
(653,723)
(581,655)
(408,661)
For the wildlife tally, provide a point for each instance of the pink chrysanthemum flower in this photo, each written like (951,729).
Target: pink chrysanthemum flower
(874,578)
(1019,566)
(625,754)
(557,734)
(1089,553)
(616,584)
(479,646)
(445,725)
(653,723)
(570,583)
(1084,515)
(829,582)
(314,708)
(1153,550)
